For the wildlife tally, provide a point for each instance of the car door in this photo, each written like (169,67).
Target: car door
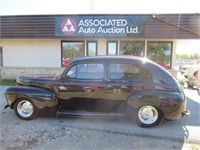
(121,83)
(84,87)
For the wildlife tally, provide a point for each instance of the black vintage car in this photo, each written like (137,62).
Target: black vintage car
(102,86)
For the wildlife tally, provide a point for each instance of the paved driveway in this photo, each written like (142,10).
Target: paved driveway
(38,130)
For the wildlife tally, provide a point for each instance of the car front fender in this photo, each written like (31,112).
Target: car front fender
(39,96)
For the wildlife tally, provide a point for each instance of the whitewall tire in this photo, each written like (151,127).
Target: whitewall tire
(25,109)
(148,116)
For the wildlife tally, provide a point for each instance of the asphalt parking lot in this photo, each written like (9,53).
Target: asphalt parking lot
(83,133)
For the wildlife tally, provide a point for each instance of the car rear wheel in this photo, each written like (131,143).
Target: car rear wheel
(148,116)
(25,109)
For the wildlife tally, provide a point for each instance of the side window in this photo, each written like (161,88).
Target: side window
(128,72)
(90,71)
(72,72)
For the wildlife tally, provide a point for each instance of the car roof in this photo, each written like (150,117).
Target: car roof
(114,58)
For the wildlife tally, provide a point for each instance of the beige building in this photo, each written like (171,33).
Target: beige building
(46,44)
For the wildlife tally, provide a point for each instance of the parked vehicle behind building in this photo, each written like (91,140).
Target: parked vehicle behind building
(102,86)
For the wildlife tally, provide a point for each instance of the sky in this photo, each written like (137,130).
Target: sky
(38,7)
(188,47)
(56,7)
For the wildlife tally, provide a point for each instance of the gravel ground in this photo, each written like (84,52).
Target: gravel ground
(53,133)
(82,133)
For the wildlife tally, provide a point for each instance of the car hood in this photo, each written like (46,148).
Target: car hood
(37,80)
(39,76)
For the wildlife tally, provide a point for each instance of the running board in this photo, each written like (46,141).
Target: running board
(67,113)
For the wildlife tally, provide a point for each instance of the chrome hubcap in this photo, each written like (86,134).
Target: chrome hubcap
(148,114)
(25,108)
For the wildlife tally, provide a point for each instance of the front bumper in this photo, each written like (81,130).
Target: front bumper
(6,106)
(186,113)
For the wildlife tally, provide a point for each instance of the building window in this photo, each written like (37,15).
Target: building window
(112,48)
(160,52)
(71,50)
(135,48)
(91,48)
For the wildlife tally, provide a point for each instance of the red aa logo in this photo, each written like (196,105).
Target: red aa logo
(68,26)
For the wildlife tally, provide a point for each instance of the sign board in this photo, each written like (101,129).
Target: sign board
(100,26)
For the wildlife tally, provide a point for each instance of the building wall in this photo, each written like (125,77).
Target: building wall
(14,72)
(32,53)
(102,47)
(174,54)
(43,56)
(34,56)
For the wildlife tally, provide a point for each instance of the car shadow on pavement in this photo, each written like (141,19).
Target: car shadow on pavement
(194,107)
(191,125)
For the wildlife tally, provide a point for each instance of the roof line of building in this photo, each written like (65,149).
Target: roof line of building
(179,27)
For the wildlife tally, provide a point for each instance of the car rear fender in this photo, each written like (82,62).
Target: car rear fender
(39,96)
(161,99)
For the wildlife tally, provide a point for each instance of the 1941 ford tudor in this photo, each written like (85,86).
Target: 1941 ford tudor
(102,86)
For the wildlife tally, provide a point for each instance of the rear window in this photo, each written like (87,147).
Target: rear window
(128,72)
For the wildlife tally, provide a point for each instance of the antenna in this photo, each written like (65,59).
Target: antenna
(92,6)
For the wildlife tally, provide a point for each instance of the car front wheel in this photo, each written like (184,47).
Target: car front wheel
(25,109)
(148,116)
